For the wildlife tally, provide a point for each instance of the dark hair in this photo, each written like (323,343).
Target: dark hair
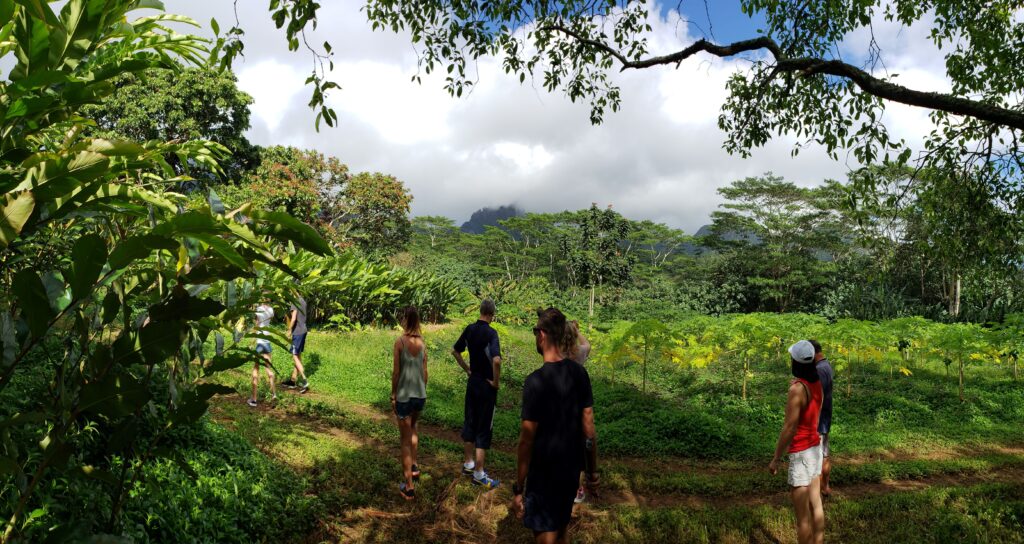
(487,307)
(411,320)
(817,346)
(806,371)
(553,322)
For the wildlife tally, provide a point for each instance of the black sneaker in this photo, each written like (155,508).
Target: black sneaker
(407,494)
(304,388)
(415,472)
(289,383)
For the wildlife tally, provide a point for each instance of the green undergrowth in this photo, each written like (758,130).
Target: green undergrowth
(692,414)
(977,514)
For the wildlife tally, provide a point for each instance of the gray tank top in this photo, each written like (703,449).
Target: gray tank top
(410,375)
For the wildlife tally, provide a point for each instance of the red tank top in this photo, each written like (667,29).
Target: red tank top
(806,436)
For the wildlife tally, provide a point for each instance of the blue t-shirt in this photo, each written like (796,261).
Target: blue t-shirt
(825,374)
(483,345)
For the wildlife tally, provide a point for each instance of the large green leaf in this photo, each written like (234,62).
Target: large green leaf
(115,395)
(229,361)
(194,403)
(184,307)
(32,298)
(283,226)
(159,340)
(138,247)
(87,260)
(17,207)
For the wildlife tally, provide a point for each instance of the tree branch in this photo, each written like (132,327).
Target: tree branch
(808,66)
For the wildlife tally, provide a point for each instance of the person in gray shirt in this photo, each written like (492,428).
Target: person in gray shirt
(297,333)
(826,375)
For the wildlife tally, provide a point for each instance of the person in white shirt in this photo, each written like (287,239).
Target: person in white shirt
(264,314)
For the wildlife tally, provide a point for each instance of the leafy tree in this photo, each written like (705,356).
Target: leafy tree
(801,81)
(114,317)
(780,236)
(180,104)
(439,230)
(376,213)
(593,252)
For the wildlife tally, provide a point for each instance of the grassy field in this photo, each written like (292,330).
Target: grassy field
(683,463)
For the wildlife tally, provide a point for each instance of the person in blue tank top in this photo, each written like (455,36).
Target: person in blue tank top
(409,394)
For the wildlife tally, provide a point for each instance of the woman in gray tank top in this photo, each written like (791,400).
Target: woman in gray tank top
(409,394)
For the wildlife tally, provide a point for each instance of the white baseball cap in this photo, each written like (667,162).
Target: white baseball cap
(802,352)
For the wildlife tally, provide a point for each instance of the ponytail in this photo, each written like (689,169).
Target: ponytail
(553,322)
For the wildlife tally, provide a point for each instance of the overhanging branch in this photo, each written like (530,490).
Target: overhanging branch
(868,83)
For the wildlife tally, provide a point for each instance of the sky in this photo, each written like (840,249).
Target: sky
(659,158)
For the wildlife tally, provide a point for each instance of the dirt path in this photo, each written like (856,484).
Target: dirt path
(629,496)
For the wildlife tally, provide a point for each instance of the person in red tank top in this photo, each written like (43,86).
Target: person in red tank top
(800,438)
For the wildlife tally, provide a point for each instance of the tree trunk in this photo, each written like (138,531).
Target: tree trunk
(745,378)
(961,360)
(591,311)
(954,302)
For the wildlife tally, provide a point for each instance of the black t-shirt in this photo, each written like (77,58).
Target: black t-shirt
(554,396)
(483,345)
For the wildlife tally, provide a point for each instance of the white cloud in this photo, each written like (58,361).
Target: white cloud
(660,157)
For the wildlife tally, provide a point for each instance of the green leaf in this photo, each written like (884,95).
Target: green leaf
(159,340)
(194,403)
(283,226)
(184,307)
(113,396)
(17,208)
(87,260)
(111,306)
(138,247)
(57,293)
(32,298)
(229,361)
(216,205)
(8,466)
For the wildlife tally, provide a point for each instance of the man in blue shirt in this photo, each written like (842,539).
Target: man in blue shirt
(826,375)
(484,370)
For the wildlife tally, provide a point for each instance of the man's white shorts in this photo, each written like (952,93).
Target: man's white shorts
(804,466)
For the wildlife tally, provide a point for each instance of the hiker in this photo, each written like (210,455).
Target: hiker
(582,354)
(800,438)
(297,334)
(557,438)
(264,314)
(409,394)
(484,371)
(826,375)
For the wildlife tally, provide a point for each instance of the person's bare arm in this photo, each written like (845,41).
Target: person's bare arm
(460,360)
(395,368)
(496,369)
(795,402)
(293,316)
(527,432)
(590,449)
(424,364)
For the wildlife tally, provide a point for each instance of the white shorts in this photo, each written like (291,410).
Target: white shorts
(804,466)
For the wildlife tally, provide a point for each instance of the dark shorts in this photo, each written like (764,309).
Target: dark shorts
(298,343)
(263,347)
(548,509)
(479,414)
(406,409)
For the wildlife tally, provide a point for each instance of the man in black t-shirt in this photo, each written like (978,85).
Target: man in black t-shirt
(484,370)
(557,438)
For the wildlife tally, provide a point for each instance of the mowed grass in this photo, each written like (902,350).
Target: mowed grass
(682,463)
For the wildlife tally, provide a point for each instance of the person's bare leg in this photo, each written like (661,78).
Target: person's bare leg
(804,523)
(817,511)
(481,454)
(414,436)
(826,469)
(405,428)
(270,376)
(563,536)
(255,380)
(549,537)
(468,449)
(297,368)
